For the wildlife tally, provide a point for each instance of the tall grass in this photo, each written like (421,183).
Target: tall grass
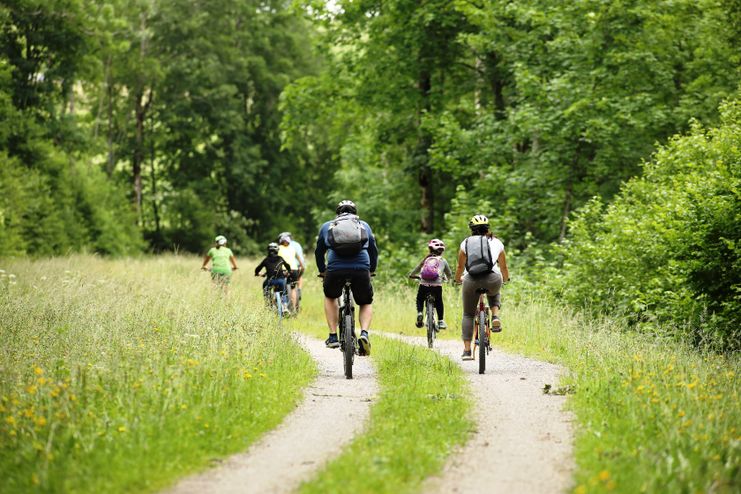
(122,375)
(653,415)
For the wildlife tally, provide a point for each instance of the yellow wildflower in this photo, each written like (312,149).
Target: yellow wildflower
(681,413)
(604,475)
(42,380)
(10,420)
(121,428)
(40,421)
(38,371)
(31,389)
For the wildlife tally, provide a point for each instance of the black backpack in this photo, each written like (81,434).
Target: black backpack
(347,235)
(478,255)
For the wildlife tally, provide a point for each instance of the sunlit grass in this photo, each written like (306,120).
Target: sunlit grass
(653,415)
(122,375)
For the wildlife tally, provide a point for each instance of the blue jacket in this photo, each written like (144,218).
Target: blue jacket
(365,260)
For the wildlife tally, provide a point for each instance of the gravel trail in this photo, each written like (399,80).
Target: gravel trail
(333,411)
(523,437)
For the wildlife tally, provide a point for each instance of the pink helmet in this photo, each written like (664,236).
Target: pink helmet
(436,245)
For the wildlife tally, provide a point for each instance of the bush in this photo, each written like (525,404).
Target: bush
(668,249)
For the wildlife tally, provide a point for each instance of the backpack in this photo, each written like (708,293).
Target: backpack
(430,269)
(346,235)
(478,255)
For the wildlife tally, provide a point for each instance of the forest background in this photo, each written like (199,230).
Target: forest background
(603,138)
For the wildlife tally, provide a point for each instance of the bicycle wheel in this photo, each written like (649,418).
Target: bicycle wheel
(431,329)
(482,341)
(348,344)
(279,304)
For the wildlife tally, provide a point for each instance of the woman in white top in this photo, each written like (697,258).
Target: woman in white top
(482,254)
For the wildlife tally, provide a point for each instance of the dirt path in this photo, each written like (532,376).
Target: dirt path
(523,435)
(332,413)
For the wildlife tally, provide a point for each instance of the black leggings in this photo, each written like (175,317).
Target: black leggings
(437,291)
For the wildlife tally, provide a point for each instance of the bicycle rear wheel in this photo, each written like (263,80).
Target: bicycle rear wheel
(431,329)
(279,304)
(483,343)
(349,344)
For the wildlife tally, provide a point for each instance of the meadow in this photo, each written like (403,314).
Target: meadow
(122,375)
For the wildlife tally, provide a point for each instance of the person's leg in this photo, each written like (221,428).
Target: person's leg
(331,313)
(365,315)
(437,291)
(421,294)
(469,299)
(494,284)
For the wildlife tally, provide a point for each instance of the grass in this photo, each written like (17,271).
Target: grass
(120,376)
(653,414)
(422,412)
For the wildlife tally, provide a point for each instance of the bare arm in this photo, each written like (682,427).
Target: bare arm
(233,260)
(461,265)
(206,258)
(503,266)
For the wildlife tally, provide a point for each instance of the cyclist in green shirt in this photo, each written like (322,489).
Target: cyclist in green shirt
(221,257)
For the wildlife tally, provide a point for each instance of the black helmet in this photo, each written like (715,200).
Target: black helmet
(272,248)
(346,207)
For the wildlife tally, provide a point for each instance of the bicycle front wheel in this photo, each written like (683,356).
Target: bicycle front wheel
(349,344)
(483,344)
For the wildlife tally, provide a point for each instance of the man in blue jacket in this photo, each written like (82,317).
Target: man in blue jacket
(347,262)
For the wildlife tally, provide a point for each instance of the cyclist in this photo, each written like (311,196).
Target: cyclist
(348,257)
(221,257)
(432,271)
(276,270)
(291,257)
(483,254)
(300,252)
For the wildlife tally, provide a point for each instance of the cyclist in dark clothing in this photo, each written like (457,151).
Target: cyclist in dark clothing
(276,269)
(357,267)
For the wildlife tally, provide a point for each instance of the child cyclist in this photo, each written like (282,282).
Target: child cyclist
(276,271)
(432,271)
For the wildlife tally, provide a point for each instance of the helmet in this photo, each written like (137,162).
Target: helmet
(285,234)
(272,248)
(284,239)
(346,206)
(436,245)
(479,222)
(220,240)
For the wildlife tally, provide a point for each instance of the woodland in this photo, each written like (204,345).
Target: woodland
(602,138)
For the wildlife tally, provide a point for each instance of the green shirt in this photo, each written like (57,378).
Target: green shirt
(220,260)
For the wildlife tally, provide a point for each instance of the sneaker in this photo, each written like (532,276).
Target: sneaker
(467,355)
(364,343)
(496,324)
(332,341)
(441,325)
(419,320)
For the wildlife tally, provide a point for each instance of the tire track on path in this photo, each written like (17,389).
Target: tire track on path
(332,413)
(523,438)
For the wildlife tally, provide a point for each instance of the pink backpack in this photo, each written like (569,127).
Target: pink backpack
(430,269)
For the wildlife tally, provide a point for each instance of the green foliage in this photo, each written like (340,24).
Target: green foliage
(667,249)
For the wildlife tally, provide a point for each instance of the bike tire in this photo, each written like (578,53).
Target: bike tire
(483,344)
(349,345)
(279,304)
(431,333)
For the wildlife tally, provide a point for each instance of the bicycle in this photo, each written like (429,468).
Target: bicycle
(430,313)
(275,299)
(482,338)
(346,327)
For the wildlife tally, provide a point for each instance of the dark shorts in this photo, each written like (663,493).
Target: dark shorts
(221,278)
(362,290)
(295,275)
